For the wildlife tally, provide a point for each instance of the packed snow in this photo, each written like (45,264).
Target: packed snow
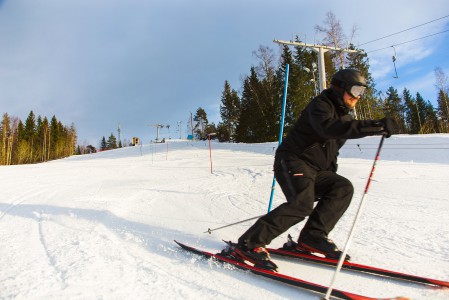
(102,226)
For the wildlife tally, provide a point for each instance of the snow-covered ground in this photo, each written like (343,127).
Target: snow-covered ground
(102,226)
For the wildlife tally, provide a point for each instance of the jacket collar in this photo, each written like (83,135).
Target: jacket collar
(337,98)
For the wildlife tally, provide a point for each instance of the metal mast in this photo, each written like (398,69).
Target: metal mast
(158,126)
(320,49)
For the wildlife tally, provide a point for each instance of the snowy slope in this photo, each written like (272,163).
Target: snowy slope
(102,226)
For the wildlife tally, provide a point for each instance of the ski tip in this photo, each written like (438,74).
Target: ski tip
(439,282)
(179,244)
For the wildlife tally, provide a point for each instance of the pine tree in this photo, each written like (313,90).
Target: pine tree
(254,122)
(61,141)
(293,85)
(22,144)
(306,60)
(422,114)
(431,119)
(245,131)
(394,108)
(45,139)
(201,123)
(412,118)
(223,133)
(30,127)
(112,142)
(54,138)
(443,110)
(27,144)
(39,139)
(229,111)
(103,145)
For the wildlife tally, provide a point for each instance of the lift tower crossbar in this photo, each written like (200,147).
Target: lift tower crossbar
(320,49)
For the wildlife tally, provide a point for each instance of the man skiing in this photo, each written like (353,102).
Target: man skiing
(305,167)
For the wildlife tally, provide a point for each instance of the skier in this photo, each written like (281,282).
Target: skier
(305,167)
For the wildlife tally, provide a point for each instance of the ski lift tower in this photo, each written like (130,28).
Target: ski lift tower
(320,49)
(158,127)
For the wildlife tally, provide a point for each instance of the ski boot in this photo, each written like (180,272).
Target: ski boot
(292,246)
(229,252)
(258,256)
(321,245)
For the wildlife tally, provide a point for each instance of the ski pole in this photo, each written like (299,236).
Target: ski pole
(210,230)
(348,242)
(281,130)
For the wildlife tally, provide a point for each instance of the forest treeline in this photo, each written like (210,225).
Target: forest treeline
(36,140)
(253,114)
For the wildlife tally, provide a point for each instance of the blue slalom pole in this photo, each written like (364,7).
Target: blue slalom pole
(281,130)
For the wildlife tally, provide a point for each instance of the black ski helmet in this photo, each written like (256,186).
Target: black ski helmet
(347,78)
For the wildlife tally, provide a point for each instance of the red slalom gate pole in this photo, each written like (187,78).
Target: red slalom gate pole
(210,151)
(348,242)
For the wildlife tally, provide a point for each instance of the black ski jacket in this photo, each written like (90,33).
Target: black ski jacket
(321,130)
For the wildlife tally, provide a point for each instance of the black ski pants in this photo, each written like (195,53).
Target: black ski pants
(302,185)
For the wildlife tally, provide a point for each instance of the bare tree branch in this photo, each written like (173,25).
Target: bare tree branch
(334,36)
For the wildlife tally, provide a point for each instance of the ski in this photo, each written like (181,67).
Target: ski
(297,282)
(358,267)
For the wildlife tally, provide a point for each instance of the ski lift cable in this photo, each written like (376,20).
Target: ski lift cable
(404,30)
(408,41)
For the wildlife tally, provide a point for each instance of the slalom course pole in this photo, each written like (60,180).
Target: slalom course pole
(210,150)
(281,131)
(166,153)
(152,152)
(351,232)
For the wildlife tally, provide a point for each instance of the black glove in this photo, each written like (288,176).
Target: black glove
(385,126)
(389,126)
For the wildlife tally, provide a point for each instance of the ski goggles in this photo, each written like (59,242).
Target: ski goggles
(357,91)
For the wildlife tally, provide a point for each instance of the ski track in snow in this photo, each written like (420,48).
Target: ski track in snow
(102,226)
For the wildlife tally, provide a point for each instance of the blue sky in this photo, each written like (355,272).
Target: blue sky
(135,63)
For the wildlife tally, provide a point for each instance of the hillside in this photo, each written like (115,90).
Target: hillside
(102,226)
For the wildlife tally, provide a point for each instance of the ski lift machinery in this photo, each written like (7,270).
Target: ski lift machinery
(394,62)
